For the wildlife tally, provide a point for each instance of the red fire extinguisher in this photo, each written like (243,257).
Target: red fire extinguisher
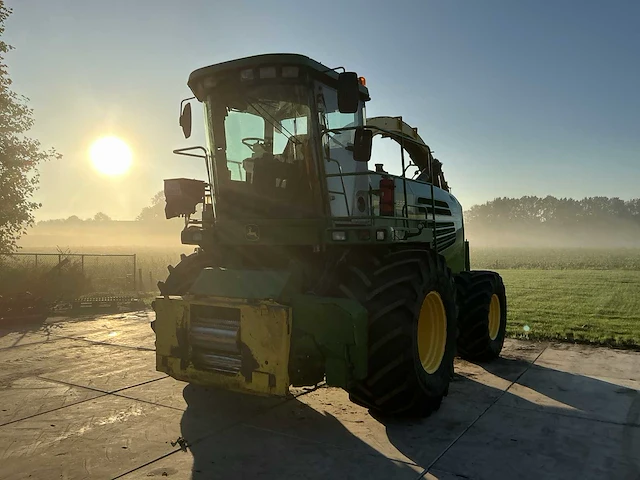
(387,201)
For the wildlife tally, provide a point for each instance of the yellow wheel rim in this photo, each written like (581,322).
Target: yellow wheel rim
(494,317)
(432,332)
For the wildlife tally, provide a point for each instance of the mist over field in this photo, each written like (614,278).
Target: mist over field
(610,234)
(533,222)
(116,234)
(527,222)
(484,234)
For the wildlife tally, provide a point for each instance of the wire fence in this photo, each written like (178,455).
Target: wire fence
(72,273)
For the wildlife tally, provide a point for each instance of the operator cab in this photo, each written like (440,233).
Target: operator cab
(267,119)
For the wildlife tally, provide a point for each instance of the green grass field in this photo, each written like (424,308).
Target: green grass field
(577,294)
(592,306)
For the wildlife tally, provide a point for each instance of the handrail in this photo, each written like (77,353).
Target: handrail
(344,189)
(402,139)
(183,151)
(383,130)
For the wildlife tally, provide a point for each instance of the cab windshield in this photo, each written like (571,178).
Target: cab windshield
(263,156)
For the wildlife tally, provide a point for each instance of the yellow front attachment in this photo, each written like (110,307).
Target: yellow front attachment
(224,342)
(494,317)
(432,332)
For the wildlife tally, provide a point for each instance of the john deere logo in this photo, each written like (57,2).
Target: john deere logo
(252,232)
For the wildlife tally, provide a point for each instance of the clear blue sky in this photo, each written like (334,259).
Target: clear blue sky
(516,97)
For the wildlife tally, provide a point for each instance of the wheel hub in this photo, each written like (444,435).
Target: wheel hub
(494,317)
(432,332)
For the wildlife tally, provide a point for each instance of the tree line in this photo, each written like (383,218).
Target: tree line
(153,212)
(531,211)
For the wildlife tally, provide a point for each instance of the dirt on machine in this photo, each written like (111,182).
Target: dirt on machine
(309,264)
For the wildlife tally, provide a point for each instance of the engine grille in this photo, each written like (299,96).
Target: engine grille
(442,208)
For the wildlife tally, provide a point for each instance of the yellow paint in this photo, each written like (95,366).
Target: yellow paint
(494,317)
(432,332)
(265,329)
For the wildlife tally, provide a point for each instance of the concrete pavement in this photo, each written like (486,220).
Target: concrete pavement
(81,399)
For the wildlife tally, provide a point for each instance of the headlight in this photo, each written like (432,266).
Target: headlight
(339,236)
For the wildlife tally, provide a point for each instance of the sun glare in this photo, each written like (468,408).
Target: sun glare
(110,156)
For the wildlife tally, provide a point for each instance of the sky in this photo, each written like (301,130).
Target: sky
(515,97)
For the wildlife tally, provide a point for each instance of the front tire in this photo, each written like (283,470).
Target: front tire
(182,276)
(410,297)
(482,318)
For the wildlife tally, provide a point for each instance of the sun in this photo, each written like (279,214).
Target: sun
(110,156)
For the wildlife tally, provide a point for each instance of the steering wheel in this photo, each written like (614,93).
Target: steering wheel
(255,140)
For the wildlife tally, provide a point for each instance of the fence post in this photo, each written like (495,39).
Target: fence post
(82,264)
(135,287)
(36,260)
(140,284)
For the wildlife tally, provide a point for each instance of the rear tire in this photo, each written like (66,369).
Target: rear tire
(410,297)
(482,318)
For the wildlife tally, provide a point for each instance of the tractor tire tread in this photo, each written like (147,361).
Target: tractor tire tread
(390,286)
(474,291)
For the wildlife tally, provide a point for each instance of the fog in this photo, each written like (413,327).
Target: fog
(100,236)
(613,233)
(165,235)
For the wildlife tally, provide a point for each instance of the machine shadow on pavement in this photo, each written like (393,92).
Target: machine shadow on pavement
(582,426)
(302,443)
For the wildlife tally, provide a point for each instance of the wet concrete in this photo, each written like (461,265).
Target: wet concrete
(81,399)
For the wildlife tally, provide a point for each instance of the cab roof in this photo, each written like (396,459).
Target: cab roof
(318,70)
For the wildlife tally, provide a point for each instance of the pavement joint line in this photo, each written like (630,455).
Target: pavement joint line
(23,334)
(567,415)
(119,395)
(53,409)
(146,464)
(224,429)
(69,384)
(101,392)
(468,427)
(136,385)
(108,392)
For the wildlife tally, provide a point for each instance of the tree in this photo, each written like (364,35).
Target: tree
(101,217)
(155,211)
(20,156)
(510,212)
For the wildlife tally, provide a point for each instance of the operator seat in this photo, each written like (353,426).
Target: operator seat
(281,182)
(297,149)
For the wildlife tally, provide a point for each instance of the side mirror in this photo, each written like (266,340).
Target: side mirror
(185,120)
(362,143)
(348,92)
